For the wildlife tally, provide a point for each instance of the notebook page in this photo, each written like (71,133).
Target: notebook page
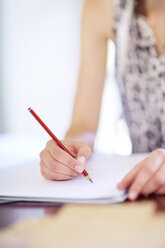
(25,180)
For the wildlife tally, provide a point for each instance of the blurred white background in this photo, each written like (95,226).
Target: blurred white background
(39,68)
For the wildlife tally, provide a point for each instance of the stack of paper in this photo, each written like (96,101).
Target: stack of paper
(24,182)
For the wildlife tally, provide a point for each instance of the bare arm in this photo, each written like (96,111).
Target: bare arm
(96,29)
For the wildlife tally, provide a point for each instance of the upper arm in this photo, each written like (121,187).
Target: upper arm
(96,29)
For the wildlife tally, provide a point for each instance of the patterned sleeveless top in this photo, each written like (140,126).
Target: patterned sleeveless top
(140,73)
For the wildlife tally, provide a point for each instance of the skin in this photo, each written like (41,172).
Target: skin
(97,21)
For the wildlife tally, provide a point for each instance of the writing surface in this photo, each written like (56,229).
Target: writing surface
(24,181)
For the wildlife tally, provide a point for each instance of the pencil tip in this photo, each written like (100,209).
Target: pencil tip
(90,180)
(29,109)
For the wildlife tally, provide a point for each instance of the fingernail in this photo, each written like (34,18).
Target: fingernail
(132,195)
(79,169)
(81,159)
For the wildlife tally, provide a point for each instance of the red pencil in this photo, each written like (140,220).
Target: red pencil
(58,142)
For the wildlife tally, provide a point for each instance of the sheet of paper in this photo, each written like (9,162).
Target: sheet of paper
(24,181)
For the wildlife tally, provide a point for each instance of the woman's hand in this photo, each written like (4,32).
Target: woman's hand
(57,164)
(146,177)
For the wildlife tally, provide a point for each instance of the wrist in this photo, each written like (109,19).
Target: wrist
(87,138)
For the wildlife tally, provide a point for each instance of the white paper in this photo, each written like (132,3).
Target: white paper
(25,181)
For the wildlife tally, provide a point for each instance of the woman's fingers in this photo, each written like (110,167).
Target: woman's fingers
(55,166)
(129,178)
(83,153)
(147,176)
(157,181)
(50,175)
(142,178)
(63,157)
(149,167)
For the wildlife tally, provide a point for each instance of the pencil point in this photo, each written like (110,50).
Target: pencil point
(29,109)
(88,177)
(90,180)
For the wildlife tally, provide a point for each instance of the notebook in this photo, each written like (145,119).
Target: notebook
(24,182)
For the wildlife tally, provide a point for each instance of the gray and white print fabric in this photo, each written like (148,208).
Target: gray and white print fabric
(142,83)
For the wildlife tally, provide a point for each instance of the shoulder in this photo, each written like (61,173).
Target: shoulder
(99,16)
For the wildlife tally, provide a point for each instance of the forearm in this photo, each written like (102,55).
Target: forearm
(96,30)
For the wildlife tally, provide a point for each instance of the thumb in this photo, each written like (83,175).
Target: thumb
(83,153)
